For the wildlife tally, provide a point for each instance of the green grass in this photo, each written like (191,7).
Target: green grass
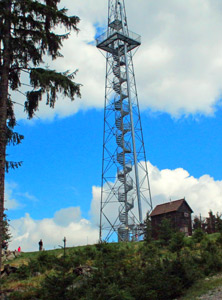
(32,282)
(85,255)
(13,284)
(213,236)
(26,256)
(202,287)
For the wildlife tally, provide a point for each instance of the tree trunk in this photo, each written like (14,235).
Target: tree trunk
(4,73)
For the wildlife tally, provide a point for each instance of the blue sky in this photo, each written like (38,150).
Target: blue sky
(62,159)
(56,191)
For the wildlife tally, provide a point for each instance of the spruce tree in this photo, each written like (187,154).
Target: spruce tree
(6,232)
(27,34)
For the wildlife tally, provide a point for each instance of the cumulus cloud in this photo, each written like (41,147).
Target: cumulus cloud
(15,198)
(67,223)
(83,57)
(10,201)
(68,215)
(180,60)
(178,67)
(203,194)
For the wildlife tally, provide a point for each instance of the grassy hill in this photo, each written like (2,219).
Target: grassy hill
(155,270)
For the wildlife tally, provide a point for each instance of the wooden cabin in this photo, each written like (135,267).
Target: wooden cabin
(179,213)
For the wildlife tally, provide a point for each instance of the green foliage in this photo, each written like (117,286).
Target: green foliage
(28,34)
(42,263)
(191,261)
(198,235)
(211,257)
(49,82)
(23,272)
(165,231)
(46,260)
(125,271)
(29,294)
(55,286)
(37,20)
(6,233)
(177,242)
(219,239)
(12,137)
(218,222)
(197,223)
(148,229)
(189,242)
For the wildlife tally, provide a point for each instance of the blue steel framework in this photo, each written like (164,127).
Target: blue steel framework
(125,191)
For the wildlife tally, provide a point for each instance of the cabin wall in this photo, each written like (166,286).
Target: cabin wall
(181,220)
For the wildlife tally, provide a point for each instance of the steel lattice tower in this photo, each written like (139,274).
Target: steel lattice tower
(125,191)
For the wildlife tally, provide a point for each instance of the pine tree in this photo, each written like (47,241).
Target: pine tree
(218,222)
(165,231)
(6,234)
(27,34)
(148,229)
(197,223)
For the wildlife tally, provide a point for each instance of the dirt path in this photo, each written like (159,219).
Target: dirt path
(215,294)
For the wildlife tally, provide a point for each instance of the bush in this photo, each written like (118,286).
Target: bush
(165,232)
(177,242)
(55,286)
(46,261)
(126,271)
(30,294)
(198,235)
(211,257)
(22,273)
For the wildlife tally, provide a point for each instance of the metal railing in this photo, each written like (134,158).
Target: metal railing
(106,35)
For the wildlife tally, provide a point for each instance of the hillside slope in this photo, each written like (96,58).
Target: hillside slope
(125,271)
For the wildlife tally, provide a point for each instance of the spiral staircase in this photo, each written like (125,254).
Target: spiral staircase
(124,147)
(125,180)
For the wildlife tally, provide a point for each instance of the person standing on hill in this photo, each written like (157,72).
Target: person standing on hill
(40,245)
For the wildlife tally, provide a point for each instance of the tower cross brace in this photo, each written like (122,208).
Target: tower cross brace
(125,190)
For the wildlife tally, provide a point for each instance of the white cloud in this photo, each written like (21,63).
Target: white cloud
(68,215)
(178,67)
(10,201)
(27,196)
(15,198)
(203,194)
(67,223)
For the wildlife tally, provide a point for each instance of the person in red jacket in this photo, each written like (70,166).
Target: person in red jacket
(19,249)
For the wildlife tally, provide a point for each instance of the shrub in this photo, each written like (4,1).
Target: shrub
(23,272)
(30,294)
(165,232)
(55,286)
(177,242)
(198,235)
(46,261)
(211,257)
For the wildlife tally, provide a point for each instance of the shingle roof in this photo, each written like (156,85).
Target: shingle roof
(168,207)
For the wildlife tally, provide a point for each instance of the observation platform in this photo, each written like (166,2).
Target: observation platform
(106,41)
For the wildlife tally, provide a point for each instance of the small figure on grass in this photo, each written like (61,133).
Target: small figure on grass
(40,245)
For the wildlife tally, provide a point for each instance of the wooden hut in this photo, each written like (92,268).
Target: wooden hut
(178,212)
